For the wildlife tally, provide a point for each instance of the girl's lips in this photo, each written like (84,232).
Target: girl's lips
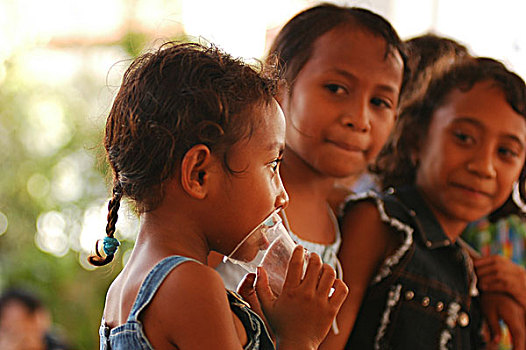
(472,190)
(347,146)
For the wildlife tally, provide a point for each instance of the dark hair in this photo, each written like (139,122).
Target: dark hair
(29,300)
(396,168)
(170,100)
(293,44)
(429,55)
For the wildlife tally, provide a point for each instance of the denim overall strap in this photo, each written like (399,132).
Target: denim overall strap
(153,281)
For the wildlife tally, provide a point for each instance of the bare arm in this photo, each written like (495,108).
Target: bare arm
(191,311)
(367,241)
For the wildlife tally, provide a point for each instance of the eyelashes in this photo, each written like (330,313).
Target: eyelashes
(275,164)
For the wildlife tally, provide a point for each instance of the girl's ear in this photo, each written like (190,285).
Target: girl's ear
(195,171)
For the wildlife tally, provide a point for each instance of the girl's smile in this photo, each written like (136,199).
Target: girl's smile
(471,193)
(473,154)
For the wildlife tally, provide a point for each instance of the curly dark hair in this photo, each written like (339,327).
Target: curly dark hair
(428,56)
(170,100)
(395,166)
(293,45)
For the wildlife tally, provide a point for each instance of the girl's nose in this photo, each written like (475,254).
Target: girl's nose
(282,199)
(482,164)
(356,115)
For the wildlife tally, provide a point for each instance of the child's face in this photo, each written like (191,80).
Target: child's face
(473,153)
(22,329)
(252,195)
(342,105)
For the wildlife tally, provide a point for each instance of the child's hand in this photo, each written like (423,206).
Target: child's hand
(302,315)
(498,274)
(247,291)
(499,306)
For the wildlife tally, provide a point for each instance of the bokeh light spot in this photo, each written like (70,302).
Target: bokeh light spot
(3,223)
(38,186)
(51,234)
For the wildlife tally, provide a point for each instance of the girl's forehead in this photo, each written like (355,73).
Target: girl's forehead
(485,104)
(268,125)
(350,37)
(358,36)
(358,53)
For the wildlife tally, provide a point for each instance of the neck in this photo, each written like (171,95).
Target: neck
(308,211)
(303,181)
(164,233)
(452,226)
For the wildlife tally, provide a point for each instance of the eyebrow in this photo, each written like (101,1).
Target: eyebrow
(387,88)
(478,124)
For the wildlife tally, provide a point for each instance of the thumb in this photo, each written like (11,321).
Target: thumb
(265,295)
(248,293)
(246,288)
(494,327)
(517,333)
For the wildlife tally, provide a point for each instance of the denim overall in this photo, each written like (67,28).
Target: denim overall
(130,335)
(424,295)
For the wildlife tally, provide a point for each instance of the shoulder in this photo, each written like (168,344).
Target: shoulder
(191,281)
(362,223)
(190,301)
(368,225)
(377,207)
(363,210)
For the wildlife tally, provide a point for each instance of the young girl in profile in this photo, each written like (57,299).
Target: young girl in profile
(195,139)
(457,154)
(343,70)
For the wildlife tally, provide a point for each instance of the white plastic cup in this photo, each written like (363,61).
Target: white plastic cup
(268,245)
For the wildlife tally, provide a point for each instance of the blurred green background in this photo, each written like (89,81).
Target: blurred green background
(55,91)
(53,189)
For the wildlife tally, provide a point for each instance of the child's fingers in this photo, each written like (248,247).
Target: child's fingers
(501,280)
(496,283)
(246,287)
(488,260)
(295,269)
(493,326)
(264,293)
(327,277)
(340,293)
(248,292)
(518,335)
(485,270)
(312,274)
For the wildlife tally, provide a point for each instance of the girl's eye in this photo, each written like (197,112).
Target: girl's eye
(275,164)
(380,102)
(336,89)
(463,137)
(507,152)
